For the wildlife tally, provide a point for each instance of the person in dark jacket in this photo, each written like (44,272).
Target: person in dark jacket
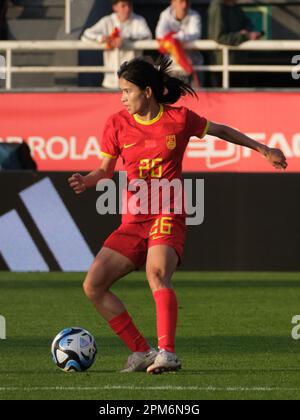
(229,25)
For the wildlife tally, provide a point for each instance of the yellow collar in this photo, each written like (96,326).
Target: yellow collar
(154,120)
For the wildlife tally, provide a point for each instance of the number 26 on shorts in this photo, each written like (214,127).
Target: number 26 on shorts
(162,226)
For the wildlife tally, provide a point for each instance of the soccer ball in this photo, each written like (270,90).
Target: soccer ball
(74,350)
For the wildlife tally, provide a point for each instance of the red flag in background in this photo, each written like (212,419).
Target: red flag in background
(170,45)
(115,34)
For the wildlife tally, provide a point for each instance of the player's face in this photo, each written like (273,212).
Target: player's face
(133,98)
(123,9)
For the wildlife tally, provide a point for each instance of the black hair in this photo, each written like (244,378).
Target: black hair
(166,88)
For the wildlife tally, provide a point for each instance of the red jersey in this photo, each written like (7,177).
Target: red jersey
(151,150)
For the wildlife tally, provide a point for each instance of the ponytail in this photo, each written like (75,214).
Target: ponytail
(173,87)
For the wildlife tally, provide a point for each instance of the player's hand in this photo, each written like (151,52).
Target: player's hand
(276,158)
(77,183)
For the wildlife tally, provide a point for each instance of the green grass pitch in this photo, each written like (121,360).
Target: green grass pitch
(234,338)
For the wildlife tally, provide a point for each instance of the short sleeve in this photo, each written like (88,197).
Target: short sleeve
(109,142)
(197,126)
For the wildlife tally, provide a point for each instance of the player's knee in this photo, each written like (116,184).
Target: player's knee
(95,286)
(93,292)
(158,278)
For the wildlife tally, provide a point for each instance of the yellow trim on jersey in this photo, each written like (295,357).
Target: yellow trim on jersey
(205,130)
(154,120)
(108,155)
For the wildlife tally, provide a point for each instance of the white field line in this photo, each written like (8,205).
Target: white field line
(152,388)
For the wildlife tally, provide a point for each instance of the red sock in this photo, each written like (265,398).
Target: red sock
(123,326)
(166,318)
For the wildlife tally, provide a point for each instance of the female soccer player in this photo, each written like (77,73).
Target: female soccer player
(151,138)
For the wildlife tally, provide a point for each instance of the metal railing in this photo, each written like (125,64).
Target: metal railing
(11,47)
(68,16)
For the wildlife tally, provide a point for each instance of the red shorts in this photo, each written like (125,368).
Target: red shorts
(133,239)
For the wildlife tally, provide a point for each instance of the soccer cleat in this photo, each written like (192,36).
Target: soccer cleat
(139,361)
(165,361)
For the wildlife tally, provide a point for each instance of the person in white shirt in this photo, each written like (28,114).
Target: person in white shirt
(186,22)
(126,26)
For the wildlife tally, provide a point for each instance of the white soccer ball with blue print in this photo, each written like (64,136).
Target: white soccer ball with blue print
(74,350)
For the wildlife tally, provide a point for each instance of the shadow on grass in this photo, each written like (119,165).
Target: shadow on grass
(112,354)
(142,284)
(214,345)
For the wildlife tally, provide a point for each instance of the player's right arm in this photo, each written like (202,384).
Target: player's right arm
(80,183)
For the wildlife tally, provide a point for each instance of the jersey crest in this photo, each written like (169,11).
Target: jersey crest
(171,142)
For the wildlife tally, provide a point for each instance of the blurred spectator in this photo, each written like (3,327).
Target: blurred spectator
(228,24)
(3,9)
(185,22)
(114,30)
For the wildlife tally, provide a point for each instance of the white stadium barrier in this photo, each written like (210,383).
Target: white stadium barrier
(10,47)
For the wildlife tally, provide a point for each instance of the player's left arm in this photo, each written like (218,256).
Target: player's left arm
(274,156)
